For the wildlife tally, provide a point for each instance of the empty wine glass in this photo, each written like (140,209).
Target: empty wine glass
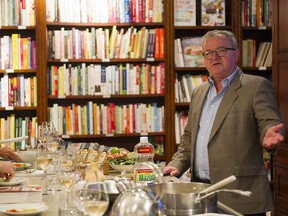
(56,151)
(67,175)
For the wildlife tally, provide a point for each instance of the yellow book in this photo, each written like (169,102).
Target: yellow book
(112,42)
(61,82)
(2,133)
(95,118)
(12,130)
(15,52)
(25,42)
(85,128)
(106,42)
(33,132)
(35,90)
(136,44)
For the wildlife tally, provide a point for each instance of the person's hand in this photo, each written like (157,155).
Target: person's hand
(8,153)
(172,171)
(273,137)
(7,170)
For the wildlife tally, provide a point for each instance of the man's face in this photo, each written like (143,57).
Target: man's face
(220,67)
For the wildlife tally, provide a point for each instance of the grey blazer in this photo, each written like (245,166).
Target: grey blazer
(247,110)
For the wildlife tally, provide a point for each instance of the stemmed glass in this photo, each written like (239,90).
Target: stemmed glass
(67,177)
(56,151)
(43,159)
(95,199)
(90,195)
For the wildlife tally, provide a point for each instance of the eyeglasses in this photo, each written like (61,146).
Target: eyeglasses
(220,52)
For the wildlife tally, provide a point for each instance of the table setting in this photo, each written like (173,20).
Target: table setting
(94,180)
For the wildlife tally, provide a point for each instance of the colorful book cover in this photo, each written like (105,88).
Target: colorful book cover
(185,13)
(213,12)
(192,50)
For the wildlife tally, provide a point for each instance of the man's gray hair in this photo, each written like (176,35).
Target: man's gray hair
(220,33)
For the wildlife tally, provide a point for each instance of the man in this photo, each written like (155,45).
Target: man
(232,117)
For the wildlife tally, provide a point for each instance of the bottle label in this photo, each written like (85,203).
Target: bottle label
(145,175)
(145,150)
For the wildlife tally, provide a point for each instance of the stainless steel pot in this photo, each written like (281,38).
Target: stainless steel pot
(186,198)
(179,199)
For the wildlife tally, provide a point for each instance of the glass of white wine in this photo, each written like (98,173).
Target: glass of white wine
(95,200)
(43,159)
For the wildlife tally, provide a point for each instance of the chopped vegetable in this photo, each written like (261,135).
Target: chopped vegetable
(122,161)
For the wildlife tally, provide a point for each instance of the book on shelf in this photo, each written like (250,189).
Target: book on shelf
(180,123)
(192,52)
(213,13)
(256,13)
(185,13)
(249,52)
(268,60)
(262,54)
(179,57)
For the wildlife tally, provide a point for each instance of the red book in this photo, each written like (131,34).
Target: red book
(157,43)
(112,117)
(55,80)
(133,10)
(161,48)
(127,128)
(108,114)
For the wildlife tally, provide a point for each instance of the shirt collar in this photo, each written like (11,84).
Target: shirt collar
(226,82)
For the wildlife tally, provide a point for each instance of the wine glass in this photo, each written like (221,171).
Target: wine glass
(56,151)
(67,176)
(95,200)
(41,137)
(43,159)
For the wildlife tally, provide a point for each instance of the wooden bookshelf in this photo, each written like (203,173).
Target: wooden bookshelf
(19,74)
(126,140)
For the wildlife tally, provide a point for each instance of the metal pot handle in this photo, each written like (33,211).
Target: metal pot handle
(240,192)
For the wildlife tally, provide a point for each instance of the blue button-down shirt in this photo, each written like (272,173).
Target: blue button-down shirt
(208,114)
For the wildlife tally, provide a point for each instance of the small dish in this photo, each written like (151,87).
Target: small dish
(13,181)
(24,208)
(21,166)
(122,167)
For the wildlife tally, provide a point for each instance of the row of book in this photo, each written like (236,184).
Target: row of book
(188,52)
(106,43)
(108,11)
(257,13)
(17,52)
(18,91)
(96,79)
(13,126)
(181,118)
(252,57)
(184,85)
(212,12)
(17,13)
(94,118)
